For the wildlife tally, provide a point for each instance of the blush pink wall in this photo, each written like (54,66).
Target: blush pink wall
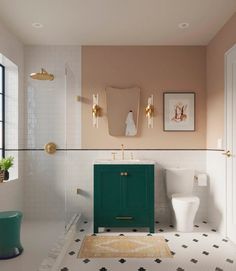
(216,49)
(154,69)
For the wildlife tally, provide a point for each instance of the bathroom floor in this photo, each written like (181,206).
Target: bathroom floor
(204,250)
(37,238)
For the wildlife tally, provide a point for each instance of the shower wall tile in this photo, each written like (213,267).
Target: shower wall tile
(44,186)
(52,114)
(52,111)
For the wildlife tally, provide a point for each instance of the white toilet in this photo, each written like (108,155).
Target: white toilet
(179,185)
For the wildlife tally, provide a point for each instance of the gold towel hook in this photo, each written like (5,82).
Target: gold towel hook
(227,153)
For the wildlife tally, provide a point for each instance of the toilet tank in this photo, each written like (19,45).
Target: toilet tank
(179,180)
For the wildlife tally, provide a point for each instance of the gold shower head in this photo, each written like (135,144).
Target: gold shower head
(43,75)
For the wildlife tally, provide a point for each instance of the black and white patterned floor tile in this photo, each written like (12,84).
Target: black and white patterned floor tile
(204,249)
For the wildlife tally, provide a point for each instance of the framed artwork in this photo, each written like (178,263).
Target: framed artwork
(179,111)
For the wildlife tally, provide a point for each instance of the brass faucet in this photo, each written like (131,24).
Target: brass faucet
(122,152)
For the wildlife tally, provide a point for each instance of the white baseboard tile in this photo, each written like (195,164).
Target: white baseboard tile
(57,253)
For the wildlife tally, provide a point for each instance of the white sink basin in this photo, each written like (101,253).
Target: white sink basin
(124,162)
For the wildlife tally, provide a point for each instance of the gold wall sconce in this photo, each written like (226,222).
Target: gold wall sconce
(96,111)
(149,111)
(50,148)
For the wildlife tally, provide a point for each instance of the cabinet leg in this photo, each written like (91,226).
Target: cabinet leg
(95,228)
(152,228)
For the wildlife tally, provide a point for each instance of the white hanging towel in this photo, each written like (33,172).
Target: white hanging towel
(131,129)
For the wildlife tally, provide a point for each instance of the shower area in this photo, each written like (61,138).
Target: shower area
(51,198)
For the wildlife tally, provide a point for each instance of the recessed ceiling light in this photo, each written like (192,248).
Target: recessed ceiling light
(37,25)
(183,25)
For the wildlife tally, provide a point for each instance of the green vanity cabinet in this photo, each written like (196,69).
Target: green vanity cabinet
(123,196)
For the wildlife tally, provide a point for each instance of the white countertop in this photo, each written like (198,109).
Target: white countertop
(124,162)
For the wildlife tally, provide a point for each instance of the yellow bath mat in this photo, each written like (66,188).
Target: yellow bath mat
(124,247)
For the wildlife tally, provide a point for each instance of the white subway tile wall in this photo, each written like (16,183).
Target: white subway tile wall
(47,177)
(215,167)
(52,111)
(52,114)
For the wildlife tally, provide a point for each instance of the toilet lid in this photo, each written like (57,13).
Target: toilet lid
(185,198)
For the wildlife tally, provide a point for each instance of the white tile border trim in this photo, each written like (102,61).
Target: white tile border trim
(57,253)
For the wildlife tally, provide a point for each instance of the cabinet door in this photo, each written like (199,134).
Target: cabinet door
(107,191)
(135,189)
(138,191)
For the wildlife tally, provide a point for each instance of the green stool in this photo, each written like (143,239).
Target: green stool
(10,245)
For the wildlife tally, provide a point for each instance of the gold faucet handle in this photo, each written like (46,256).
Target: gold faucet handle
(131,156)
(114,155)
(122,152)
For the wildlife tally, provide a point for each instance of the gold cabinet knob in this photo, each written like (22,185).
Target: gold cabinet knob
(50,148)
(126,173)
(122,174)
(227,153)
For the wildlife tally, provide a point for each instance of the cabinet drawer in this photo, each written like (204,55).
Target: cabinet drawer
(120,220)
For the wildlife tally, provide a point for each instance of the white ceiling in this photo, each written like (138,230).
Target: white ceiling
(116,22)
